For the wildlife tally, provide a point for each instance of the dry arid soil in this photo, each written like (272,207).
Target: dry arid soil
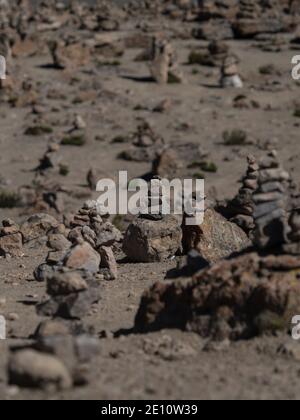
(113,94)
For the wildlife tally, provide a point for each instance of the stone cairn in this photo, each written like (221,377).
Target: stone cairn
(81,257)
(240,210)
(51,158)
(271,201)
(164,67)
(145,136)
(147,144)
(230,77)
(153,236)
(155,200)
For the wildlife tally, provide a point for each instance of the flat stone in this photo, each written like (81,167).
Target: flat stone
(271,186)
(267,175)
(267,208)
(267,197)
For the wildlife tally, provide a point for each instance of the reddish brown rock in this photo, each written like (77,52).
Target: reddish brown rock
(83,257)
(108,261)
(235,299)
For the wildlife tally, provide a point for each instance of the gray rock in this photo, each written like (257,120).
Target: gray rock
(86,347)
(152,241)
(267,208)
(107,235)
(70,299)
(271,200)
(278,174)
(42,272)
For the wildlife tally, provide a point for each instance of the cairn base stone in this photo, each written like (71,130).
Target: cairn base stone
(152,241)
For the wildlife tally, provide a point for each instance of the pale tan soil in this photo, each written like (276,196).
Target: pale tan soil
(245,370)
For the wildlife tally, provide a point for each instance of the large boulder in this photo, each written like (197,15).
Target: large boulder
(215,238)
(235,299)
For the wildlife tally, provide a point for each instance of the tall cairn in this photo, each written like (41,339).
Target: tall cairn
(164,66)
(230,77)
(240,210)
(271,200)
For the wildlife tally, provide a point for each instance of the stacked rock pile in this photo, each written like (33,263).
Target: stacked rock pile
(240,210)
(164,64)
(271,200)
(147,144)
(153,236)
(230,74)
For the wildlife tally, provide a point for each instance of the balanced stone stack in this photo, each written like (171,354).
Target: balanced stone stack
(154,210)
(271,219)
(153,236)
(72,293)
(164,66)
(83,243)
(230,77)
(240,210)
(88,224)
(147,144)
(51,158)
(145,136)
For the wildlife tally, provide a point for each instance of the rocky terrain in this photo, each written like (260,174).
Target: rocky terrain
(102,306)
